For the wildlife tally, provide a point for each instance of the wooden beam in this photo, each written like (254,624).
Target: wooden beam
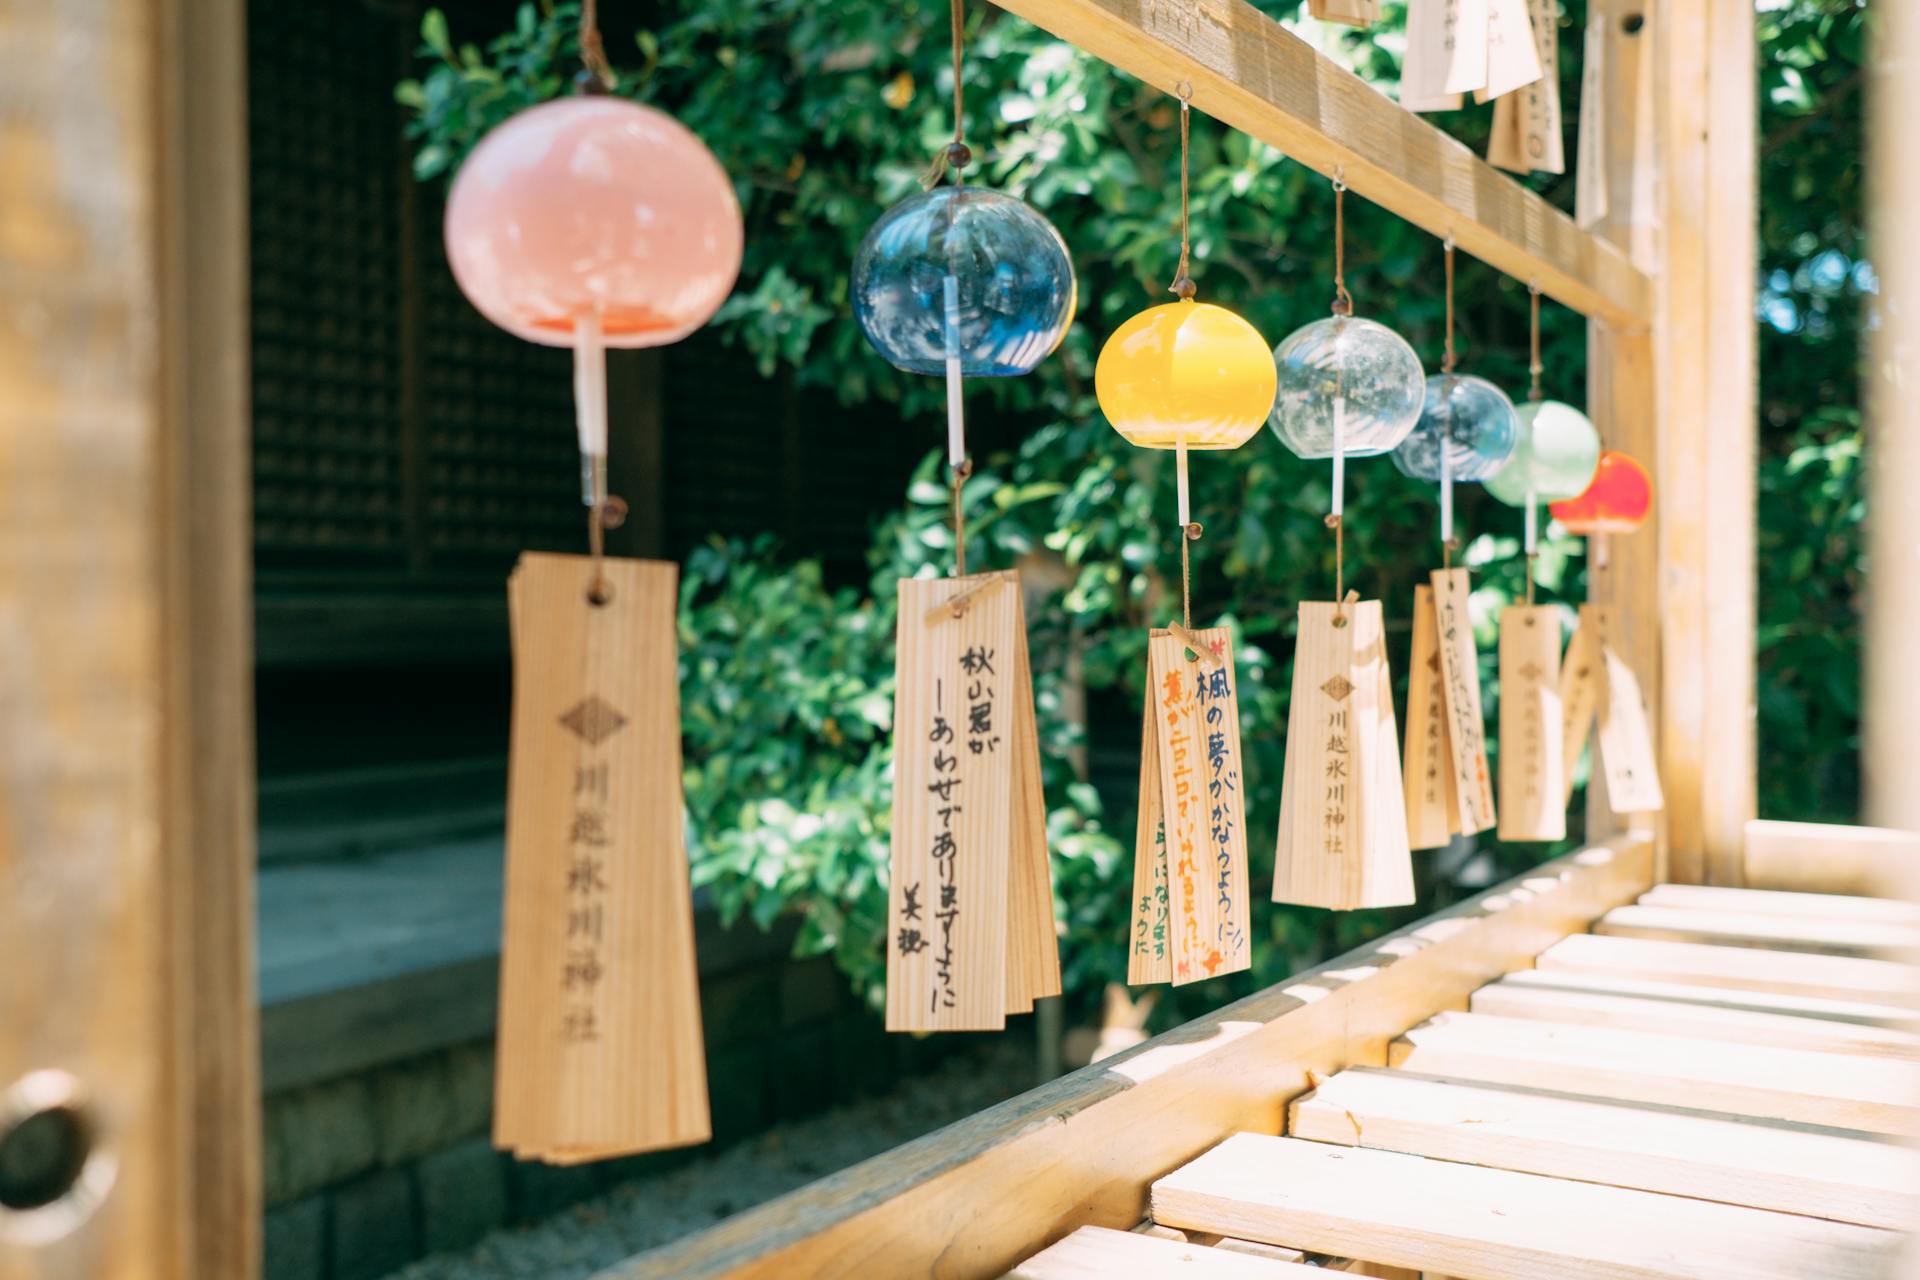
(1771,902)
(981,1195)
(1703,59)
(1843,1090)
(1794,1169)
(1784,1022)
(1494,1224)
(1774,933)
(1097,1253)
(126,771)
(1816,857)
(1890,709)
(1743,968)
(1248,71)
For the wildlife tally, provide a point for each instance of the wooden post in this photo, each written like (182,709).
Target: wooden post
(1683,590)
(126,770)
(1892,703)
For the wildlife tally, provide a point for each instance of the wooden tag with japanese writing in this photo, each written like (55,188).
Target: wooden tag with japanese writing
(1433,803)
(1581,678)
(1196,720)
(1343,822)
(1532,784)
(600,1050)
(1625,740)
(1526,132)
(953,752)
(1466,725)
(1149,936)
(1446,52)
(1355,13)
(1513,55)
(1033,942)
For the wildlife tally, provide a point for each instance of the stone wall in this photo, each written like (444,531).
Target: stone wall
(367,1172)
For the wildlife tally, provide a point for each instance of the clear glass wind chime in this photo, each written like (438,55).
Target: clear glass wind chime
(1181,376)
(1347,386)
(960,282)
(1466,431)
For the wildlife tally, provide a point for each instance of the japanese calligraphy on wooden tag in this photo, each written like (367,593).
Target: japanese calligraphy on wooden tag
(1355,13)
(1625,740)
(1149,935)
(1196,722)
(1513,53)
(1433,803)
(1527,123)
(1532,785)
(1581,678)
(1460,674)
(970,911)
(600,1049)
(1033,943)
(1446,53)
(1343,822)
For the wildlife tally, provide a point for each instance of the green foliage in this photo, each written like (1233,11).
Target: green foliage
(827,113)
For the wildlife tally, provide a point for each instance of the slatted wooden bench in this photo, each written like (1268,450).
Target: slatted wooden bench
(1580,1073)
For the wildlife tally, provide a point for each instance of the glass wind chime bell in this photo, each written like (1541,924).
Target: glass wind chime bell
(1466,431)
(962,282)
(1188,375)
(1347,385)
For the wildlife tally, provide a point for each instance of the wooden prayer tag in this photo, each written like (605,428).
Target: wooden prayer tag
(1625,740)
(1150,941)
(1033,943)
(600,1050)
(1513,53)
(1195,712)
(1527,123)
(1355,13)
(1446,53)
(1460,672)
(1580,682)
(1591,202)
(1532,787)
(1433,803)
(1343,821)
(968,937)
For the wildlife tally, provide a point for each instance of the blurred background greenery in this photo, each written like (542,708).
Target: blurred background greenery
(827,114)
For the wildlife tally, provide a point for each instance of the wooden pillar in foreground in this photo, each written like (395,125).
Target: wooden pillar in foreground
(1892,702)
(128,1036)
(1680,85)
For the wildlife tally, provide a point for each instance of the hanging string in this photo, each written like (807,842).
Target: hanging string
(1448,543)
(1534,367)
(955,155)
(1342,306)
(593,54)
(961,471)
(1183,286)
(1342,300)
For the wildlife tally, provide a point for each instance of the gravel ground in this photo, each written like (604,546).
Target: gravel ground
(650,1212)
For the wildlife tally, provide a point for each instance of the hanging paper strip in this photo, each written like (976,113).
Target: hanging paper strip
(1460,672)
(600,1049)
(1343,823)
(1150,949)
(1433,799)
(1526,123)
(1194,711)
(1446,53)
(1513,54)
(969,935)
(1532,766)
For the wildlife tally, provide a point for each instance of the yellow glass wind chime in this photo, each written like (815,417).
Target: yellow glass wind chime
(592,222)
(1348,387)
(960,282)
(1181,376)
